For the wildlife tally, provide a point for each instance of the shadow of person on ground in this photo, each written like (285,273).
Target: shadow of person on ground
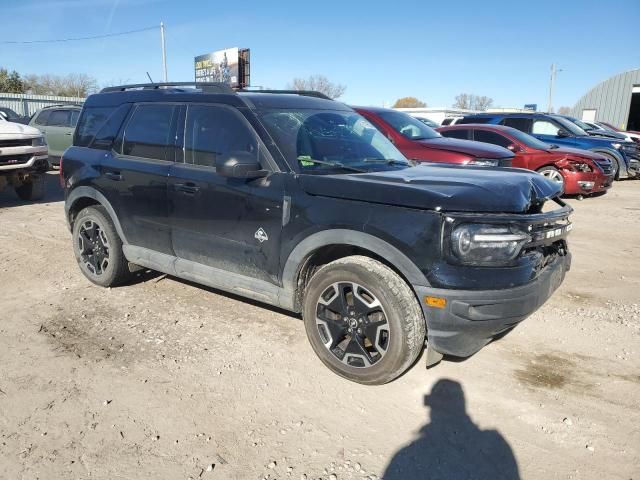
(451,446)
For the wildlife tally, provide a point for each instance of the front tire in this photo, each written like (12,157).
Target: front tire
(98,248)
(553,174)
(363,320)
(33,189)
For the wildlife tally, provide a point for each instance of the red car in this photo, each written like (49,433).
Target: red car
(421,143)
(580,171)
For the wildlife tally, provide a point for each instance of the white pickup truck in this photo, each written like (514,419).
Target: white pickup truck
(23,159)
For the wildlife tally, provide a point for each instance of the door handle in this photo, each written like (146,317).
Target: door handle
(69,133)
(113,176)
(190,188)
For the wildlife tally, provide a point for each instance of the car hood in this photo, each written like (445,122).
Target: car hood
(17,130)
(469,147)
(576,152)
(441,187)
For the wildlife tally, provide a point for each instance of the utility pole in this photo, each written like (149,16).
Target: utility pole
(164,54)
(552,84)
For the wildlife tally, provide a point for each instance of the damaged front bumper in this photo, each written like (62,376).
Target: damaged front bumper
(585,183)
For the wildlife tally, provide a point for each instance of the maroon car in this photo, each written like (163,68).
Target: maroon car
(581,172)
(421,143)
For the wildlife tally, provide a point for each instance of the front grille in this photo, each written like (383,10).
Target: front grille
(605,165)
(19,142)
(15,159)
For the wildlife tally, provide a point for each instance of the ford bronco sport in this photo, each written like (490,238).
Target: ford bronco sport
(296,200)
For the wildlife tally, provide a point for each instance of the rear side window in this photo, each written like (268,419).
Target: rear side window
(462,134)
(91,119)
(148,132)
(447,121)
(42,117)
(59,118)
(474,120)
(491,137)
(211,131)
(74,117)
(522,124)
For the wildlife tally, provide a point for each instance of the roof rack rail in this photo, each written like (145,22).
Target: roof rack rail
(58,105)
(306,93)
(216,87)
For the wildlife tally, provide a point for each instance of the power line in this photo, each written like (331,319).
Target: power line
(94,37)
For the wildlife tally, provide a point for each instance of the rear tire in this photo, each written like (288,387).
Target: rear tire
(98,248)
(366,296)
(33,189)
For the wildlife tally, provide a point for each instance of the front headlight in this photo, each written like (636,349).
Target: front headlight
(487,244)
(39,141)
(580,166)
(483,162)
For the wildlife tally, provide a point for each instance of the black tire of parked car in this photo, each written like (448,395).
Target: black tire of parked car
(34,188)
(615,165)
(405,320)
(116,271)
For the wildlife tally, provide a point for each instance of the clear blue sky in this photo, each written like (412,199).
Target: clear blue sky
(379,50)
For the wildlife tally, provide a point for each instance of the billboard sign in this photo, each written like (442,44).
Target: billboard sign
(531,106)
(230,66)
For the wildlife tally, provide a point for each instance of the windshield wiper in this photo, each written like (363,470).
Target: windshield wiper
(388,161)
(332,164)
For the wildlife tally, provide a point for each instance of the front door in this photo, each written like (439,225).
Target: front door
(547,131)
(226,223)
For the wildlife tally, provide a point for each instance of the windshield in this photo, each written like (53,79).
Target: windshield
(323,141)
(528,140)
(571,127)
(582,125)
(408,126)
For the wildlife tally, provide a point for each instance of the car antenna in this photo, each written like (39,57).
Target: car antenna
(149,77)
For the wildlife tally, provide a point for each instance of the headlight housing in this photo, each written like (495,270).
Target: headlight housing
(486,244)
(40,141)
(580,166)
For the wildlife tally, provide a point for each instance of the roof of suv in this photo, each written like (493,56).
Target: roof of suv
(253,99)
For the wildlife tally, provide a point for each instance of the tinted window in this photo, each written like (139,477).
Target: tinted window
(407,126)
(148,132)
(212,131)
(91,119)
(522,124)
(447,121)
(42,117)
(74,117)
(545,127)
(491,137)
(59,118)
(474,120)
(463,134)
(107,133)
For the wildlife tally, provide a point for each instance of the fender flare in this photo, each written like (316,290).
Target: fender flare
(79,193)
(348,237)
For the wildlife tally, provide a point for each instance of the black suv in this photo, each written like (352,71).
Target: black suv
(295,200)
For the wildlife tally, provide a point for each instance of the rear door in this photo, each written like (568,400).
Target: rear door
(227,223)
(134,174)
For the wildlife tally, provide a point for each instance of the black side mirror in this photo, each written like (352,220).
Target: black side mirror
(239,165)
(563,133)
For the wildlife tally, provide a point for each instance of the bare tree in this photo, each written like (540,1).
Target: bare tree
(409,102)
(564,110)
(463,101)
(469,101)
(318,83)
(72,85)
